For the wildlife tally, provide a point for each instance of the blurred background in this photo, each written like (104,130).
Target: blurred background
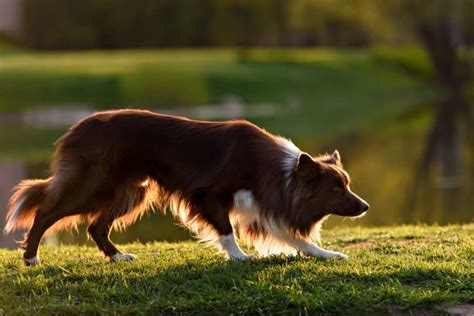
(388,83)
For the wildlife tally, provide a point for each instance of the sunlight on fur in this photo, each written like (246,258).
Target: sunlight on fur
(275,241)
(244,214)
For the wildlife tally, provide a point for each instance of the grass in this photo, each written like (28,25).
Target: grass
(7,48)
(396,269)
(409,58)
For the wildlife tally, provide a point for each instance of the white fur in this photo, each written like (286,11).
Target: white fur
(246,212)
(232,249)
(359,216)
(12,219)
(32,261)
(204,233)
(289,162)
(278,239)
(123,257)
(310,249)
(244,200)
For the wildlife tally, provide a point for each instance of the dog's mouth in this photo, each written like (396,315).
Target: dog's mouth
(352,214)
(361,214)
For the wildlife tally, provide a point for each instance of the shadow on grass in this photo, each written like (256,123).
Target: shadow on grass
(277,284)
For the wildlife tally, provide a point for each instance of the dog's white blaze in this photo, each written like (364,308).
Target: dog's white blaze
(289,162)
(32,261)
(12,219)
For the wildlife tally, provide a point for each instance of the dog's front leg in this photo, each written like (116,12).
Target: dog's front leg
(232,249)
(311,249)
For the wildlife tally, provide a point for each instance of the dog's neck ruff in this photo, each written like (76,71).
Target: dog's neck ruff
(290,159)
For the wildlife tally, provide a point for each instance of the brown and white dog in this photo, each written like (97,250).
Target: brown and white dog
(221,179)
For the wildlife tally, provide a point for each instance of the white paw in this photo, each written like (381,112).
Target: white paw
(334,254)
(123,257)
(32,261)
(242,257)
(326,254)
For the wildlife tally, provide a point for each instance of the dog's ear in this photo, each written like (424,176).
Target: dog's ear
(307,165)
(334,159)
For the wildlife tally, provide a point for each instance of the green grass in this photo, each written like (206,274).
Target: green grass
(7,48)
(411,59)
(398,269)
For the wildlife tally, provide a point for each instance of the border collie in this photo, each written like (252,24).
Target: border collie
(223,180)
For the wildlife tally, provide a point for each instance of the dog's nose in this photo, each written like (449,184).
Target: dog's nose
(365,207)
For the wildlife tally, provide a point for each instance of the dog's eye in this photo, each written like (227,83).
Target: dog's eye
(337,188)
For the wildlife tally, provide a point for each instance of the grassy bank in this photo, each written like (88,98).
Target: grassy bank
(407,268)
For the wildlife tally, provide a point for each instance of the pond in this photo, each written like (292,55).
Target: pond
(382,161)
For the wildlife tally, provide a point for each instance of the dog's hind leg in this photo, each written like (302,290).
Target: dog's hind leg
(129,204)
(42,222)
(99,231)
(66,197)
(49,213)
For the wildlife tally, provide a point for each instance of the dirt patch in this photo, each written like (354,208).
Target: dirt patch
(396,311)
(460,309)
(404,240)
(466,309)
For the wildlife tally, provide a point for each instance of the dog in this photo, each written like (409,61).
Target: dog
(223,180)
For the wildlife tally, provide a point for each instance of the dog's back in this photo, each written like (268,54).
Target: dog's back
(178,153)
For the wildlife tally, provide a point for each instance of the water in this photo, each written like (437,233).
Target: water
(382,165)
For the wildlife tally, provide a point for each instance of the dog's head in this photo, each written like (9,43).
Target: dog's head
(323,187)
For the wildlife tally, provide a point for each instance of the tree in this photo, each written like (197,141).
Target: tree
(440,26)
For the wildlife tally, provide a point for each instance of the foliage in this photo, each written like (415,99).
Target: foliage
(411,59)
(333,22)
(397,269)
(7,48)
(56,24)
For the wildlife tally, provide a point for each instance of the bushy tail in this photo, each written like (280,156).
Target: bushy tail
(24,203)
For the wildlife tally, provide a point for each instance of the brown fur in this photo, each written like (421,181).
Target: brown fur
(112,167)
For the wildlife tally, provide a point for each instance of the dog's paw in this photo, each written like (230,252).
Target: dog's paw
(336,255)
(327,254)
(242,257)
(123,257)
(32,261)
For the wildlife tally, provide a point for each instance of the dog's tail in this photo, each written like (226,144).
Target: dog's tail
(24,203)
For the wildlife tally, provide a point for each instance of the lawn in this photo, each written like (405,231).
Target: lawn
(391,269)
